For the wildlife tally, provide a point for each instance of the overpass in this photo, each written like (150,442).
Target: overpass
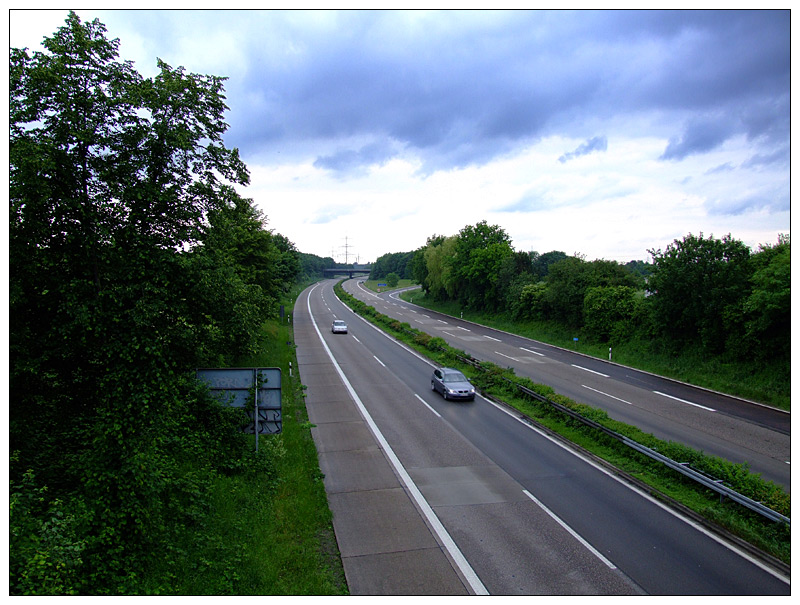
(349,271)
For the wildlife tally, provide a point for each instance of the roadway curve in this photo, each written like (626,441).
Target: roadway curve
(711,422)
(529,514)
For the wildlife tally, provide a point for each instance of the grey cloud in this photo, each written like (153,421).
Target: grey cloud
(593,144)
(771,201)
(699,136)
(355,162)
(460,88)
(726,167)
(778,157)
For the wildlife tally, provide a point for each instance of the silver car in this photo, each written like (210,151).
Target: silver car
(452,384)
(339,327)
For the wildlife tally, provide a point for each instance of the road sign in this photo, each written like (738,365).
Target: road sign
(256,390)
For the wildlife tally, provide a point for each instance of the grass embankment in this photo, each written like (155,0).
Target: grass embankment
(771,386)
(500,384)
(272,528)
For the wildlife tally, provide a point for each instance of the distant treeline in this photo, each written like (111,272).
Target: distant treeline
(312,266)
(715,294)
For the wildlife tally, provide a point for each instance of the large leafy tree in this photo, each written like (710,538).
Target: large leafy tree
(113,178)
(393,262)
(540,263)
(569,279)
(481,251)
(419,263)
(766,311)
(438,262)
(697,286)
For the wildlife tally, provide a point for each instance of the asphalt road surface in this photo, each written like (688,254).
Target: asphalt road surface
(509,509)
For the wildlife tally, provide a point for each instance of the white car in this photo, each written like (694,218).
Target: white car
(339,327)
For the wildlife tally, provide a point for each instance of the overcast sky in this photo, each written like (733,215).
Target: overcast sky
(599,133)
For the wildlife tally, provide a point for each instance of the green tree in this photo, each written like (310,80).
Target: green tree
(288,262)
(767,309)
(480,253)
(531,303)
(540,263)
(395,262)
(698,284)
(568,281)
(312,266)
(608,311)
(112,178)
(419,264)
(439,265)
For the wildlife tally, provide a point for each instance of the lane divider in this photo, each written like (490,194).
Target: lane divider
(697,405)
(571,531)
(588,370)
(606,394)
(427,405)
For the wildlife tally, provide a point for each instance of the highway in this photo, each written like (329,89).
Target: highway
(525,514)
(707,421)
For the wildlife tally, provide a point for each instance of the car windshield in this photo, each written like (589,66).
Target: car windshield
(339,322)
(454,377)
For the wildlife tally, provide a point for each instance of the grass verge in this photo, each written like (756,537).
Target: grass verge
(770,537)
(267,531)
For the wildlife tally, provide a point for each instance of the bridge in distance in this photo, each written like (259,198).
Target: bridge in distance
(349,271)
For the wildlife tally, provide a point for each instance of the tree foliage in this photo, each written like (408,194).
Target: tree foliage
(481,251)
(697,285)
(700,292)
(132,260)
(396,262)
(767,309)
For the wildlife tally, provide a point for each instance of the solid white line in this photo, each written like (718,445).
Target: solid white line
(534,352)
(427,405)
(447,541)
(697,405)
(365,290)
(606,394)
(575,534)
(588,370)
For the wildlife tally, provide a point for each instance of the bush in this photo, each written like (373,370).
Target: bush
(46,542)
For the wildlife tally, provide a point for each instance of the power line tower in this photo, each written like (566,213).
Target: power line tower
(346,247)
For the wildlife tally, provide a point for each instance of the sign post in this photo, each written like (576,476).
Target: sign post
(234,387)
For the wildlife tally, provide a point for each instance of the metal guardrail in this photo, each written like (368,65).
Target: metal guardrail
(709,482)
